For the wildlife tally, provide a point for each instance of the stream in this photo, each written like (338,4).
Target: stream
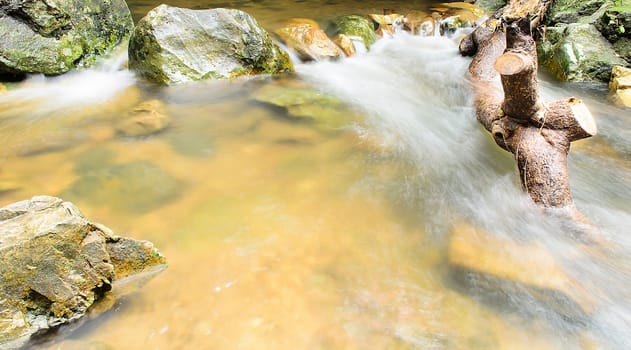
(292,232)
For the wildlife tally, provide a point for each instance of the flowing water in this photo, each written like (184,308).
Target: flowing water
(287,232)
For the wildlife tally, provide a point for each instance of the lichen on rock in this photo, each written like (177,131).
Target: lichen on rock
(55,264)
(40,36)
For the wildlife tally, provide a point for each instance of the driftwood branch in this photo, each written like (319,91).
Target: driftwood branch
(538,134)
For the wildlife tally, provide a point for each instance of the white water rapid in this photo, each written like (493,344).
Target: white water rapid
(417,101)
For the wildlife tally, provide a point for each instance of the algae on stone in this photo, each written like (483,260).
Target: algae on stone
(39,36)
(577,52)
(354,26)
(173,45)
(55,264)
(304,103)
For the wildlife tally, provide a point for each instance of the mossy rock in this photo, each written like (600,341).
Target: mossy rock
(47,37)
(305,104)
(570,11)
(354,26)
(173,45)
(578,52)
(615,23)
(55,264)
(491,5)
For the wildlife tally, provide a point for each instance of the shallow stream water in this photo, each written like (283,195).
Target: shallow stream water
(287,232)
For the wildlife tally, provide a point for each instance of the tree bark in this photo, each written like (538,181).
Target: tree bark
(538,134)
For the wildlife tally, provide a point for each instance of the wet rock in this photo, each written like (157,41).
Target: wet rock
(354,26)
(136,187)
(3,88)
(481,260)
(571,11)
(39,36)
(346,44)
(303,103)
(146,118)
(413,21)
(387,24)
(458,14)
(577,52)
(55,264)
(620,86)
(308,41)
(173,45)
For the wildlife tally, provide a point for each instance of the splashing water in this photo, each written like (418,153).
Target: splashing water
(418,104)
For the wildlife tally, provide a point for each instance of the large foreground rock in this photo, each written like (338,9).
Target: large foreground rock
(173,45)
(578,52)
(55,263)
(52,37)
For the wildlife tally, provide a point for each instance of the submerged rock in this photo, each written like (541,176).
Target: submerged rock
(479,259)
(55,264)
(3,88)
(304,103)
(173,45)
(620,86)
(136,187)
(52,37)
(308,41)
(354,26)
(146,118)
(577,52)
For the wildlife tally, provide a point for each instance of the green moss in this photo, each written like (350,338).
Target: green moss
(354,26)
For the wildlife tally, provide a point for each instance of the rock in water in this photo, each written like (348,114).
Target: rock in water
(620,86)
(305,38)
(578,52)
(55,263)
(173,45)
(52,37)
(354,26)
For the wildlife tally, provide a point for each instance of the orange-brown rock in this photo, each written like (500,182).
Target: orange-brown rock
(308,41)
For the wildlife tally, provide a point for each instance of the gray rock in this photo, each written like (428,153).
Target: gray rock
(578,52)
(52,37)
(173,45)
(55,264)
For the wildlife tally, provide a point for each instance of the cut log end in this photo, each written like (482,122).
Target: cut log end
(512,63)
(584,119)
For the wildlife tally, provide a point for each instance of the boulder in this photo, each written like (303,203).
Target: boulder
(173,45)
(577,52)
(308,41)
(620,86)
(52,37)
(146,118)
(55,264)
(571,11)
(354,26)
(516,270)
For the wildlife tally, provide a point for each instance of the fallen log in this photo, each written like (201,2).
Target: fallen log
(537,133)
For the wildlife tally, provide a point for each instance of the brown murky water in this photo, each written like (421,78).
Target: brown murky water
(284,232)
